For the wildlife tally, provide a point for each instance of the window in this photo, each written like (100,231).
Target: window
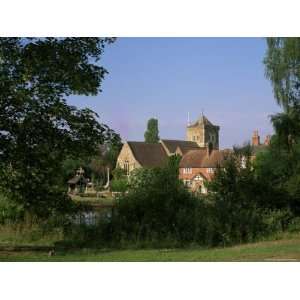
(210,170)
(187,171)
(187,183)
(126,167)
(194,138)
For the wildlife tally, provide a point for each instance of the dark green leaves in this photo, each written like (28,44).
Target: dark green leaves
(38,129)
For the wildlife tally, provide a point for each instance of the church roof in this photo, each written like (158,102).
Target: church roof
(184,146)
(201,159)
(201,121)
(148,154)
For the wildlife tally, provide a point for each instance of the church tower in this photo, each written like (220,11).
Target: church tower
(204,133)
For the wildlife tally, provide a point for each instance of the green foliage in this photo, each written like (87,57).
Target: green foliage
(38,129)
(9,211)
(173,164)
(119,182)
(244,203)
(152,134)
(156,209)
(287,126)
(119,185)
(118,173)
(282,63)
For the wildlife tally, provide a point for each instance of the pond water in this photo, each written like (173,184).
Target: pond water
(92,217)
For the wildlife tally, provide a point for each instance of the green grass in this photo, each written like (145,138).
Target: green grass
(28,234)
(285,249)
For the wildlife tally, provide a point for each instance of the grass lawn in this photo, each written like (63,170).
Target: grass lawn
(286,249)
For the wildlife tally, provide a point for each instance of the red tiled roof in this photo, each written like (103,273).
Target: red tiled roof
(201,159)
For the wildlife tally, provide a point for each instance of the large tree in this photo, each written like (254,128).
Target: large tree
(38,129)
(282,63)
(151,134)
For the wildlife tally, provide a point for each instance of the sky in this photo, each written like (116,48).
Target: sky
(167,78)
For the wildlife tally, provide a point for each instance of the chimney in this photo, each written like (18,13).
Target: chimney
(255,138)
(267,140)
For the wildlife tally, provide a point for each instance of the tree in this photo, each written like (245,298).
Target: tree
(156,208)
(287,126)
(151,134)
(282,63)
(38,129)
(240,200)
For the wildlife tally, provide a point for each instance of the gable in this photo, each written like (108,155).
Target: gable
(126,155)
(148,154)
(172,146)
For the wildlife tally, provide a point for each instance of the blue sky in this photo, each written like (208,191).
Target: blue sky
(166,78)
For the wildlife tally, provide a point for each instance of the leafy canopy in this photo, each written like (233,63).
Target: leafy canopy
(152,133)
(38,129)
(282,63)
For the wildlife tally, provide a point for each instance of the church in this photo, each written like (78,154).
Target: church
(200,154)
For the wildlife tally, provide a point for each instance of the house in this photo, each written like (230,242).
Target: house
(198,167)
(135,155)
(146,155)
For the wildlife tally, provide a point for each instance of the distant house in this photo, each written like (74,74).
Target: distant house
(135,155)
(198,166)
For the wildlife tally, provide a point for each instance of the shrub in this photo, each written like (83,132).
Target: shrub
(9,211)
(156,208)
(119,185)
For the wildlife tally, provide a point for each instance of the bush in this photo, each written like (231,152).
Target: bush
(119,185)
(239,211)
(10,211)
(156,210)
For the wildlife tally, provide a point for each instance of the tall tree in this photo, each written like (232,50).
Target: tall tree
(151,134)
(282,64)
(38,129)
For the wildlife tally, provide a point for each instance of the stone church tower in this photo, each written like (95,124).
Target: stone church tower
(204,133)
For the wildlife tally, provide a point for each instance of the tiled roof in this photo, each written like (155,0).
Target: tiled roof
(202,120)
(148,154)
(184,146)
(201,159)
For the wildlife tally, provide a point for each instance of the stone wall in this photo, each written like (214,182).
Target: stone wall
(204,134)
(126,157)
